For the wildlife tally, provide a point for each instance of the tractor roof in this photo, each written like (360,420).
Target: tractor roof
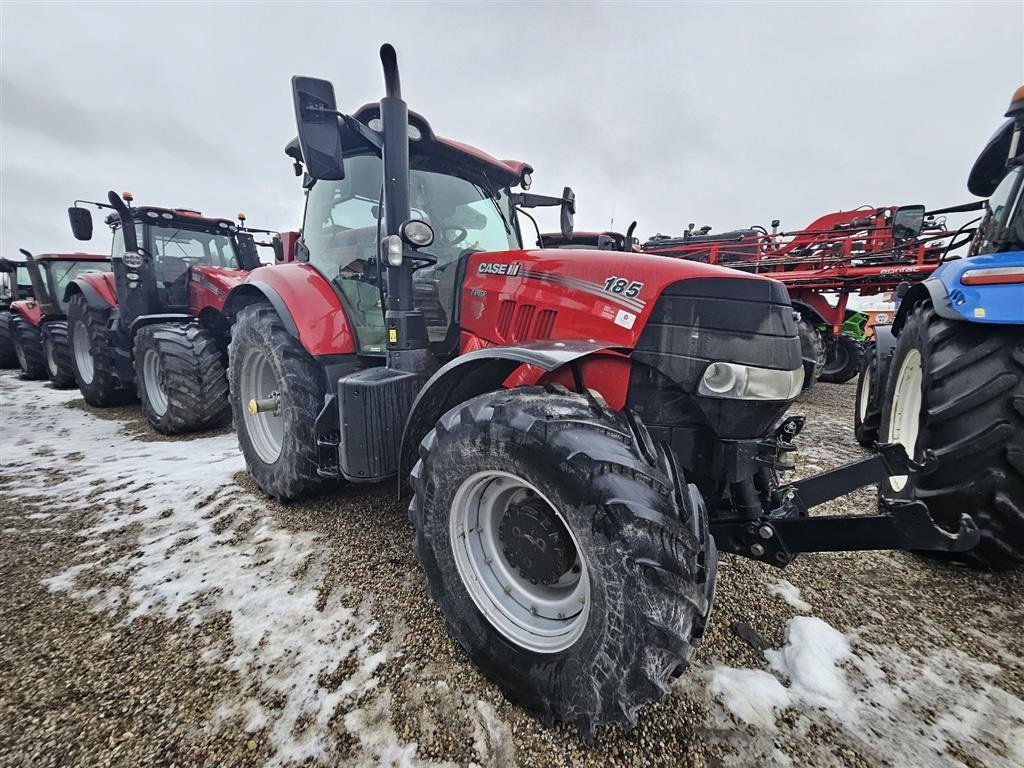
(448,150)
(72,257)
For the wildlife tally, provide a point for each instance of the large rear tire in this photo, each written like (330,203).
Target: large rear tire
(812,350)
(58,354)
(8,358)
(844,357)
(28,347)
(91,357)
(268,363)
(181,376)
(957,389)
(569,560)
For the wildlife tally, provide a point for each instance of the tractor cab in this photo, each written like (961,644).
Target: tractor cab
(15,282)
(998,174)
(52,273)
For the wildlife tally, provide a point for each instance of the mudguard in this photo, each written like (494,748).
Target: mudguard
(478,372)
(98,290)
(28,310)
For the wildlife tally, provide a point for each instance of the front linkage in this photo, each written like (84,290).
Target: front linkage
(784,527)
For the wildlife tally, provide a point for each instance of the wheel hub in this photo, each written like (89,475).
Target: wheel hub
(535,542)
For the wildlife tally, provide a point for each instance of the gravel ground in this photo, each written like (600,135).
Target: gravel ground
(156,610)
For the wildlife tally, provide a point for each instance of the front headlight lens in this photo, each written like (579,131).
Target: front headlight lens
(746,382)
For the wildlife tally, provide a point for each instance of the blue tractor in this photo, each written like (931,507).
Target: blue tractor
(947,379)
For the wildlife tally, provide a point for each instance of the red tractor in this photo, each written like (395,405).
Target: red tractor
(156,324)
(39,325)
(867,251)
(582,430)
(14,285)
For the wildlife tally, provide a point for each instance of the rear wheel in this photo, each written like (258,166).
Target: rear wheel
(91,357)
(8,358)
(957,389)
(58,354)
(181,377)
(812,350)
(844,356)
(268,366)
(570,563)
(28,347)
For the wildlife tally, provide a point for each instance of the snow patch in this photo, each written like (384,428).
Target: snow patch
(791,594)
(751,694)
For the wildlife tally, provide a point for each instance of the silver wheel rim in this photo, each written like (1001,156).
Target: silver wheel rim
(83,355)
(865,392)
(51,356)
(538,617)
(905,415)
(259,382)
(153,381)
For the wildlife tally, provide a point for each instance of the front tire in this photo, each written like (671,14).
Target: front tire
(268,363)
(867,414)
(812,350)
(8,357)
(571,565)
(844,357)
(181,377)
(28,347)
(58,354)
(957,389)
(91,357)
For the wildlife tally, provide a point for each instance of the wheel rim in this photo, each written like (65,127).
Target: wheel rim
(51,357)
(493,523)
(905,415)
(865,391)
(259,383)
(82,352)
(153,381)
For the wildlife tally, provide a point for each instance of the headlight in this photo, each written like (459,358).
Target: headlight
(744,382)
(417,233)
(132,259)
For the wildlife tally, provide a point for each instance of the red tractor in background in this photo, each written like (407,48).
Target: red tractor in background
(38,325)
(868,251)
(583,431)
(155,324)
(15,284)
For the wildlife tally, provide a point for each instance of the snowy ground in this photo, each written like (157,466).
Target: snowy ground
(155,609)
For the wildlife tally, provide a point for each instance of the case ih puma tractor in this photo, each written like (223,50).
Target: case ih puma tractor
(38,326)
(14,286)
(155,323)
(948,377)
(583,430)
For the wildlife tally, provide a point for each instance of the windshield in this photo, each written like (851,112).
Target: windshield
(341,227)
(60,273)
(1003,207)
(175,243)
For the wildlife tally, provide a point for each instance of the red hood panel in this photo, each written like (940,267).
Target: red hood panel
(28,310)
(516,296)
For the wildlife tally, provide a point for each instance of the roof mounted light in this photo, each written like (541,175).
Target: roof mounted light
(127,196)
(526,180)
(1016,108)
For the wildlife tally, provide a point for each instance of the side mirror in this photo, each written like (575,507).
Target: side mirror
(568,212)
(907,222)
(81,223)
(278,246)
(248,256)
(316,115)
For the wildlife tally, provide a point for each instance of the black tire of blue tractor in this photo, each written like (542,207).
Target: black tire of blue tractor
(642,531)
(8,358)
(193,367)
(812,350)
(302,390)
(57,354)
(843,363)
(105,389)
(867,416)
(28,346)
(972,419)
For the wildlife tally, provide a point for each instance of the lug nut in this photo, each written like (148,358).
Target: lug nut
(765,532)
(756,550)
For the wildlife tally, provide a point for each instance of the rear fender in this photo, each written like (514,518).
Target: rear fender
(486,370)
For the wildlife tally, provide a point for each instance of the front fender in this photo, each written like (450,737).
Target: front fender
(98,290)
(478,372)
(28,310)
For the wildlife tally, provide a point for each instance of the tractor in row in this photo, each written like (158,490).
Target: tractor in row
(154,325)
(946,379)
(580,432)
(15,285)
(38,325)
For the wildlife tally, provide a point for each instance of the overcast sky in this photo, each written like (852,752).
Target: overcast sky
(719,114)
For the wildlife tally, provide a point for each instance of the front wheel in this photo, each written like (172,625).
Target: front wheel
(843,363)
(8,358)
(181,376)
(91,357)
(58,354)
(276,392)
(569,561)
(28,346)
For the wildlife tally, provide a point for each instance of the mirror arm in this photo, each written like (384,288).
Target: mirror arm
(526,200)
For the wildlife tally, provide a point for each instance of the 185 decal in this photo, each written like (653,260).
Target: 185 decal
(621,285)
